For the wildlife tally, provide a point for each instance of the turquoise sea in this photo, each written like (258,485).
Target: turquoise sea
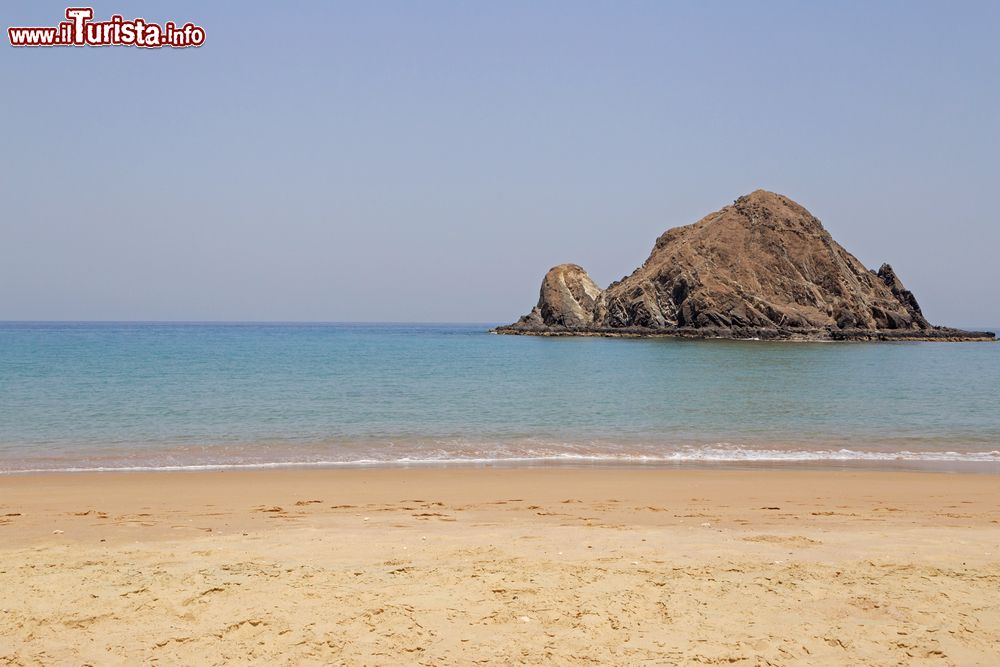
(137,396)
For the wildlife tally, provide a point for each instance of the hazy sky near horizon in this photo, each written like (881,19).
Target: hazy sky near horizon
(429,161)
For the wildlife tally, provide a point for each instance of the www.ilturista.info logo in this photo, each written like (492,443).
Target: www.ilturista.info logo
(80,30)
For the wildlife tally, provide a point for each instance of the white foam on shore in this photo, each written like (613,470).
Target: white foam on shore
(721,453)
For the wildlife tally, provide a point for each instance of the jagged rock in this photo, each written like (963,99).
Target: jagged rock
(903,295)
(762,267)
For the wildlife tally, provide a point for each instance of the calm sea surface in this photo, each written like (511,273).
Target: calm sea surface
(141,396)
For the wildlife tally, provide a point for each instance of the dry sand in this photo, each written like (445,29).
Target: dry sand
(463,566)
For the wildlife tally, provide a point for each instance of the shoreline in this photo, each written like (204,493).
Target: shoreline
(834,466)
(776,458)
(453,566)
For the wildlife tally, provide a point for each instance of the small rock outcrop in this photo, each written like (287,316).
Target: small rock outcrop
(568,298)
(763,267)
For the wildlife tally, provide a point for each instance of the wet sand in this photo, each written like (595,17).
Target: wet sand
(501,566)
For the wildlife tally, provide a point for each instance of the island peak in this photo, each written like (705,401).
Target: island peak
(762,267)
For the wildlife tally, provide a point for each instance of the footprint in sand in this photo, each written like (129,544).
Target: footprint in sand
(786,540)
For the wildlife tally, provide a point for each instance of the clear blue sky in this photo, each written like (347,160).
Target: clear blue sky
(429,161)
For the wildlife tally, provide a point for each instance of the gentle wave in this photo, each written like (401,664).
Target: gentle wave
(711,454)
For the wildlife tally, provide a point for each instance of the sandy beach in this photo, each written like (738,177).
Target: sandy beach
(501,566)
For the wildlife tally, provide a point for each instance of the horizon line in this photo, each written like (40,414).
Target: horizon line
(411,322)
(991,327)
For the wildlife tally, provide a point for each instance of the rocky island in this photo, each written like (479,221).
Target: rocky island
(763,267)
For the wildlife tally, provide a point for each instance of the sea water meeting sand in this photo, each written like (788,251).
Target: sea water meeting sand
(424,519)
